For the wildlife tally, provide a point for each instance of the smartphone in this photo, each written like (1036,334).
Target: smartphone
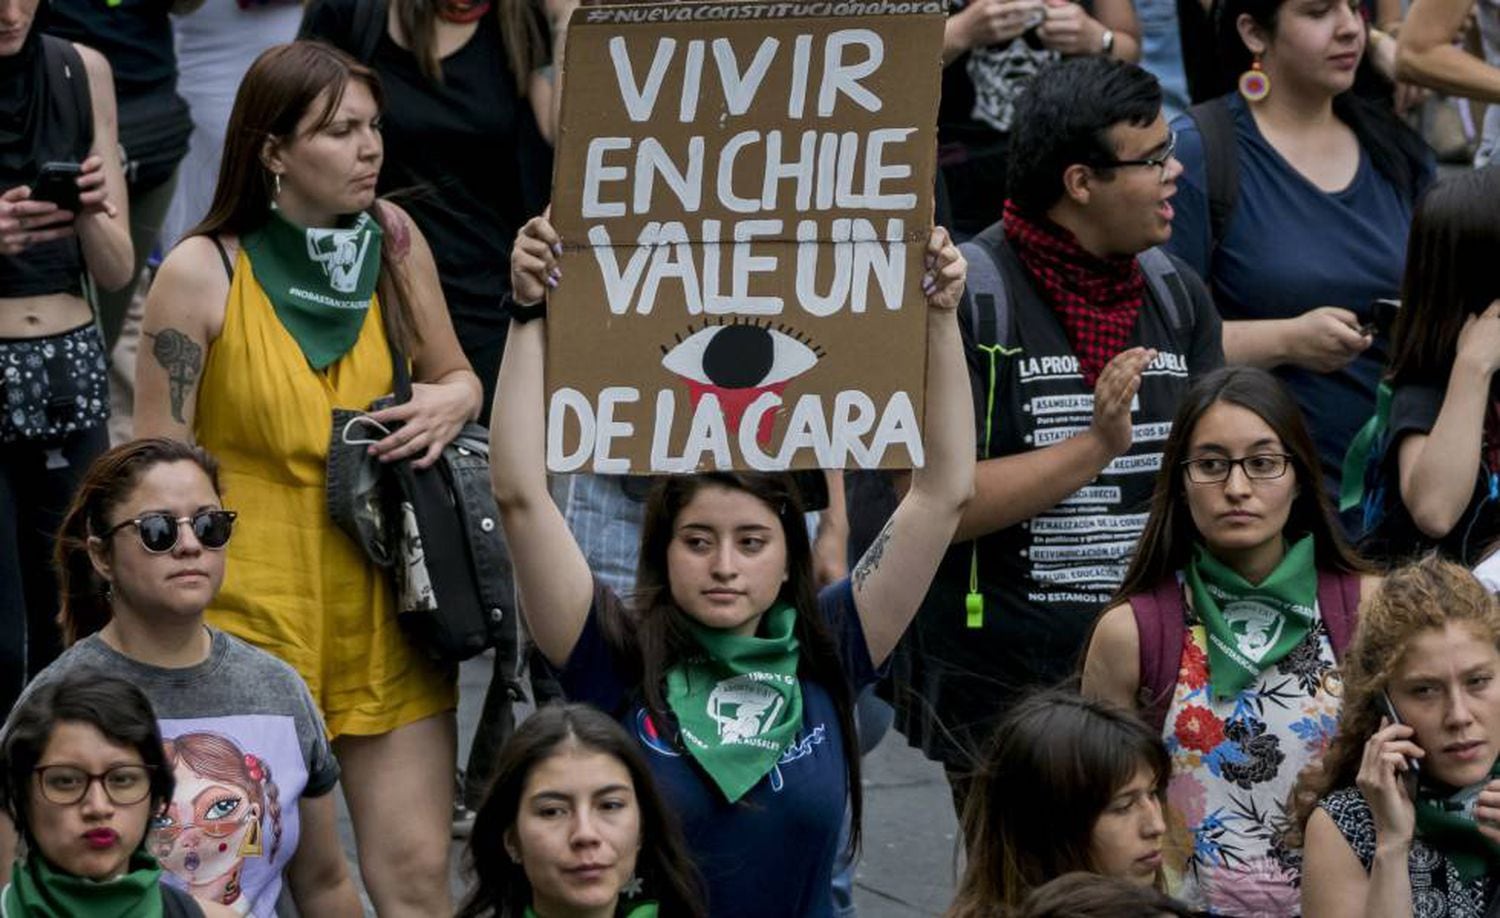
(1382,317)
(1413,767)
(58,183)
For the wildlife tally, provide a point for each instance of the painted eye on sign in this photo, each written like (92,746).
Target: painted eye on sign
(744,193)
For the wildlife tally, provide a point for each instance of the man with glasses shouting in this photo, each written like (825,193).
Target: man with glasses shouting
(1081,339)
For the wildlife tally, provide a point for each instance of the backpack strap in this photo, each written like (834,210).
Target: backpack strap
(989,303)
(1338,604)
(65,68)
(989,316)
(1166,283)
(1221,161)
(1159,626)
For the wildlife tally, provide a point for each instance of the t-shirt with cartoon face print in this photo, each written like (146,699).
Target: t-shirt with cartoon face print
(245,743)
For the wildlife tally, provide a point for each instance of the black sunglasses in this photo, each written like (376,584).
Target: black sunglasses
(158,531)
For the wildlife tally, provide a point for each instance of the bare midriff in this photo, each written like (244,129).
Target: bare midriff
(38,316)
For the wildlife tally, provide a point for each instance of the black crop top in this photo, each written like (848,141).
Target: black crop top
(60,128)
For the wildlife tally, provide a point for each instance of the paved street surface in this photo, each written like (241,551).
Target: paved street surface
(907,869)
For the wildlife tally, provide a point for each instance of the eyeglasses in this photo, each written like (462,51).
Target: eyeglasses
(1260,467)
(165,830)
(158,531)
(1159,161)
(65,785)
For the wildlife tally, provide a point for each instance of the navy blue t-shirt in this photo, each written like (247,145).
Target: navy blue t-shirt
(771,853)
(1291,247)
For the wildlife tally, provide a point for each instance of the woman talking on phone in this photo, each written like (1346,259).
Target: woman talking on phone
(1402,818)
(62,218)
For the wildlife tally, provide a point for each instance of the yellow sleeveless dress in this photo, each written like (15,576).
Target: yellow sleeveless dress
(297,586)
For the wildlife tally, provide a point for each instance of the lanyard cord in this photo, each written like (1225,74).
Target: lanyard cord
(974,601)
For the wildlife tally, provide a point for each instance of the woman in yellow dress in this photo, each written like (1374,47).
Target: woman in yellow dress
(259,324)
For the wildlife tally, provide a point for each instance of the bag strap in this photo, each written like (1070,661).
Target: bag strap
(989,302)
(1338,604)
(65,68)
(400,373)
(1221,161)
(1166,283)
(1159,626)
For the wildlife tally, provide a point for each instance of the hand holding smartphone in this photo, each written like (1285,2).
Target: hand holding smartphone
(57,183)
(1382,317)
(1413,767)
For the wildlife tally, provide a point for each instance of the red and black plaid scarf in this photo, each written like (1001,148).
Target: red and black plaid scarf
(1097,299)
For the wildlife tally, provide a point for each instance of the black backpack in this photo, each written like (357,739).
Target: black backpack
(1221,164)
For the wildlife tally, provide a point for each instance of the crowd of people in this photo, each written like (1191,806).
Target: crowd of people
(1194,597)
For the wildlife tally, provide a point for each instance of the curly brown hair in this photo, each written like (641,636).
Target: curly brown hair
(1430,593)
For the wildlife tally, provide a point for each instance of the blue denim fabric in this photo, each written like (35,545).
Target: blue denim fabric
(1161,53)
(606,521)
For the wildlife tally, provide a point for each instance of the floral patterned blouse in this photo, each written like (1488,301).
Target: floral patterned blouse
(1234,763)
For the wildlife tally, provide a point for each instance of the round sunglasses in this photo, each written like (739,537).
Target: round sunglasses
(158,531)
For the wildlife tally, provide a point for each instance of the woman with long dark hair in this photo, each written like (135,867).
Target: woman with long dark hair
(1237,605)
(730,669)
(1294,204)
(1068,784)
(1441,473)
(1401,819)
(57,105)
(279,308)
(140,555)
(572,788)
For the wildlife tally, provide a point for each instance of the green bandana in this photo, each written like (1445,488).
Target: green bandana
(1252,626)
(739,705)
(37,890)
(644,910)
(1445,821)
(319,281)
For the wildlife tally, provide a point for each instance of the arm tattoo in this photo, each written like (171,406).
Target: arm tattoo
(870,563)
(182,358)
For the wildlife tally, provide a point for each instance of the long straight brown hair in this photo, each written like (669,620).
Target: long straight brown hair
(521,31)
(1167,541)
(282,86)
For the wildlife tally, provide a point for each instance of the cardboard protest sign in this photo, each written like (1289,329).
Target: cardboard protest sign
(744,193)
